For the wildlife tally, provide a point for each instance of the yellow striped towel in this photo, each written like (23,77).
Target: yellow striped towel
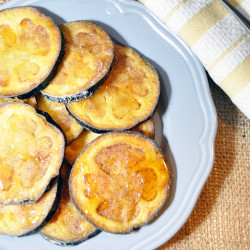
(218,39)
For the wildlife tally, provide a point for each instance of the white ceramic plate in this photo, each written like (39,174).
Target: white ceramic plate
(186,120)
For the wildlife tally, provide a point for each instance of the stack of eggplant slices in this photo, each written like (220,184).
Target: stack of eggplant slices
(77,154)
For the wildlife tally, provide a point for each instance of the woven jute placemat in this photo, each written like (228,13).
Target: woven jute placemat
(220,219)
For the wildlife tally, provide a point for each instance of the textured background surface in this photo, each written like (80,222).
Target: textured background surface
(220,219)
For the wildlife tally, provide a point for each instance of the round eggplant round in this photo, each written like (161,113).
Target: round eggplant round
(119,181)
(128,97)
(31,152)
(89,54)
(31,47)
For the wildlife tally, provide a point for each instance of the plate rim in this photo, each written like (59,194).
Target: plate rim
(211,115)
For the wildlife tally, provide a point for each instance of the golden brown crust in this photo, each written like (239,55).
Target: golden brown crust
(61,116)
(31,153)
(128,97)
(30,44)
(119,181)
(89,53)
(67,225)
(17,220)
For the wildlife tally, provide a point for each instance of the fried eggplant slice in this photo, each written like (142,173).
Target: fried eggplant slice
(67,227)
(31,153)
(23,219)
(74,148)
(147,128)
(89,54)
(30,50)
(31,100)
(7,100)
(127,98)
(61,116)
(119,181)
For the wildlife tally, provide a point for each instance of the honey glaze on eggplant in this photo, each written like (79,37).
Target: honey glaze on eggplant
(128,97)
(119,181)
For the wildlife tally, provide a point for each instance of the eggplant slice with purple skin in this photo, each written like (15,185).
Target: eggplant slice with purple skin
(31,100)
(31,153)
(25,219)
(147,128)
(58,112)
(128,97)
(31,47)
(89,54)
(86,136)
(120,181)
(67,227)
(76,146)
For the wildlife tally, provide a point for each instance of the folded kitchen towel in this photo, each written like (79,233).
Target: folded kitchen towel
(218,39)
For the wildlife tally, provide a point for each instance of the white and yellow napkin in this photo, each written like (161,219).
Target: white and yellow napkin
(218,39)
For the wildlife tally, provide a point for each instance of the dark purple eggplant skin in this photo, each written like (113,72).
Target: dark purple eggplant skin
(70,244)
(82,95)
(52,210)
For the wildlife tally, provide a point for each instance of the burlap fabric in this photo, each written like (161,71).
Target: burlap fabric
(220,219)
